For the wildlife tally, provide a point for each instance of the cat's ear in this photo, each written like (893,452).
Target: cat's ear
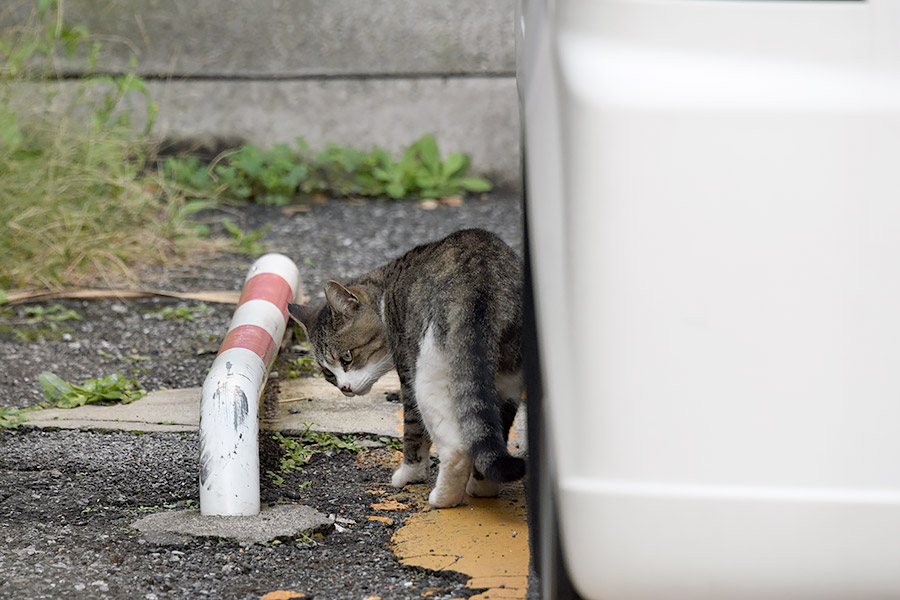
(341,300)
(304,313)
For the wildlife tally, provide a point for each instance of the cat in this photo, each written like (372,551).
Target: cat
(448,316)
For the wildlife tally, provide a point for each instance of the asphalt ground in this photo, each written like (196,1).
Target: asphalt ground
(69,499)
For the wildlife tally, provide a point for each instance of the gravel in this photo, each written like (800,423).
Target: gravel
(68,498)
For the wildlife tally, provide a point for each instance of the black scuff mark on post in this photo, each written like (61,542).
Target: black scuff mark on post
(205,468)
(241,408)
(205,459)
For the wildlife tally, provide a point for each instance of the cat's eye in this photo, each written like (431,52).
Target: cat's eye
(328,374)
(346,358)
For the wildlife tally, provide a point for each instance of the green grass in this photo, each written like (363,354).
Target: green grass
(77,201)
(298,451)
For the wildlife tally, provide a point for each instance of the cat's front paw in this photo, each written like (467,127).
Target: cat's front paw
(482,488)
(410,473)
(444,499)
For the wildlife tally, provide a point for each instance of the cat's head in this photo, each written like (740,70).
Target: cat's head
(347,337)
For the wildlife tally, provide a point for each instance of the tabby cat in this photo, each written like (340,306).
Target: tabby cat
(448,316)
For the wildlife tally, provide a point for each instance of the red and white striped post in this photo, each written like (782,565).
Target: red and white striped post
(229,405)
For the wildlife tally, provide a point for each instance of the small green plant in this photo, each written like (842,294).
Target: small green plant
(275,477)
(297,452)
(436,178)
(397,179)
(58,393)
(115,388)
(303,366)
(190,172)
(247,243)
(182,312)
(51,315)
(324,441)
(11,418)
(392,443)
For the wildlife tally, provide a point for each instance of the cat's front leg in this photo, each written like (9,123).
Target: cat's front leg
(416,442)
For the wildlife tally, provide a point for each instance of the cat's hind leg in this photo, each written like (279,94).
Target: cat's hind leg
(439,413)
(416,442)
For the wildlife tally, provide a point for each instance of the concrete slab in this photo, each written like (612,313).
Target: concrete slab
(317,403)
(306,403)
(303,404)
(164,410)
(284,521)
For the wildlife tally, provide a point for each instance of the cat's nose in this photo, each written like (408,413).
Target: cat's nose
(346,389)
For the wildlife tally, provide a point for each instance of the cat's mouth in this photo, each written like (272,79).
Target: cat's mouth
(348,392)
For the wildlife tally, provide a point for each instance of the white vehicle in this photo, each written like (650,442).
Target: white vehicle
(713,219)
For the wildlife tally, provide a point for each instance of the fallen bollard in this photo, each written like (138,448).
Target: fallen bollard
(229,405)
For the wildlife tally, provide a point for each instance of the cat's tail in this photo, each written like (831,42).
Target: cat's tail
(479,409)
(502,468)
(484,430)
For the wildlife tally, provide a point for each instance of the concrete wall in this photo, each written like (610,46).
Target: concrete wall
(355,72)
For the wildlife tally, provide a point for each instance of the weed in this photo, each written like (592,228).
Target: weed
(115,388)
(297,452)
(392,443)
(190,172)
(182,312)
(303,366)
(247,243)
(58,393)
(52,315)
(10,418)
(332,442)
(436,178)
(270,177)
(41,321)
(280,174)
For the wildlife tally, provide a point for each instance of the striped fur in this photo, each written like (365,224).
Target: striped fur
(448,316)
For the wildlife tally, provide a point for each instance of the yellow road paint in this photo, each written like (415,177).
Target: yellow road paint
(390,505)
(385,520)
(283,595)
(486,540)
